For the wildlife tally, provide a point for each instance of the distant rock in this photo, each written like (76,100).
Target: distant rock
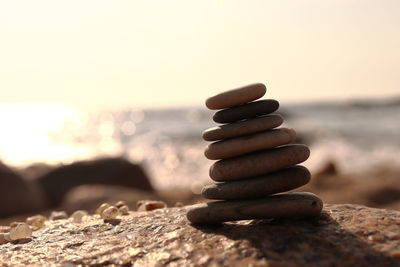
(108,171)
(17,195)
(343,235)
(378,187)
(329,168)
(35,170)
(375,103)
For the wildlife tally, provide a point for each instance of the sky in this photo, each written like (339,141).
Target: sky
(109,53)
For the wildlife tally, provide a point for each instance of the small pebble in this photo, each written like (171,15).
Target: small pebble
(78,215)
(13,224)
(102,207)
(151,205)
(120,203)
(4,238)
(124,209)
(110,213)
(58,215)
(4,229)
(36,222)
(179,204)
(377,238)
(21,231)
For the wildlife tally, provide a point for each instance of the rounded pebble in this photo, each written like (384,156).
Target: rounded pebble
(4,229)
(246,111)
(179,204)
(272,183)
(148,205)
(110,213)
(58,215)
(36,222)
(4,238)
(243,127)
(124,210)
(21,231)
(78,215)
(236,96)
(249,143)
(287,205)
(102,207)
(120,204)
(258,163)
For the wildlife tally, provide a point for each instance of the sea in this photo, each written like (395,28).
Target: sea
(357,135)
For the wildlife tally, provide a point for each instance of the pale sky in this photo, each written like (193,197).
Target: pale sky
(168,53)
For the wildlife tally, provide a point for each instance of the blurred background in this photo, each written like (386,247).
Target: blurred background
(81,80)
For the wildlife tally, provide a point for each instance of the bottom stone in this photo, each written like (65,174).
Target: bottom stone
(276,206)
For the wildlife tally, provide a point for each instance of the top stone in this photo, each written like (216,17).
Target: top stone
(236,96)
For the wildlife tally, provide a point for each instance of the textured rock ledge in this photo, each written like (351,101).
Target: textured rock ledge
(344,235)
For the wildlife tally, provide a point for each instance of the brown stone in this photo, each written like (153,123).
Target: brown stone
(4,238)
(276,206)
(109,171)
(249,143)
(246,111)
(258,163)
(275,182)
(243,127)
(18,195)
(148,205)
(237,96)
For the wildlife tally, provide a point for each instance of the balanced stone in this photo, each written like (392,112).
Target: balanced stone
(236,97)
(246,111)
(243,127)
(249,143)
(258,163)
(287,205)
(271,183)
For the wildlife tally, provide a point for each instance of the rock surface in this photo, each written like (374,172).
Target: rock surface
(343,235)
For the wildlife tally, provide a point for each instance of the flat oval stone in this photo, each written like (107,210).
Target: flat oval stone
(272,183)
(246,111)
(249,143)
(243,127)
(236,96)
(287,205)
(258,163)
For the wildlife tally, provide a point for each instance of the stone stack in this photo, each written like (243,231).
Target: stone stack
(256,161)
